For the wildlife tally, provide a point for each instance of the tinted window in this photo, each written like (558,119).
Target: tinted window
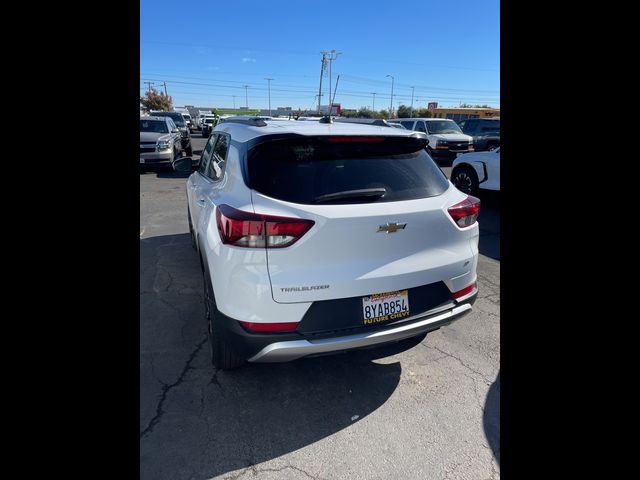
(175,116)
(420,127)
(301,171)
(206,155)
(219,157)
(406,124)
(469,126)
(156,126)
(490,126)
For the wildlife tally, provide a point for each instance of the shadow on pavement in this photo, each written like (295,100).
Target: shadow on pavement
(491,418)
(489,221)
(199,423)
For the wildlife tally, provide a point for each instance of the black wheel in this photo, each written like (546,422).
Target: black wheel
(191,233)
(465,179)
(189,151)
(222,355)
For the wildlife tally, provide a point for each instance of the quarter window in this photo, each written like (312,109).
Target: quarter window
(206,155)
(219,157)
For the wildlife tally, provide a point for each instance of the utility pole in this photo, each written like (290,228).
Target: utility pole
(246,96)
(234,101)
(391,107)
(373,106)
(411,113)
(165,89)
(322,70)
(331,59)
(269,82)
(149,83)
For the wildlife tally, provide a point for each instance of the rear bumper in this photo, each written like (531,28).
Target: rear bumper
(291,346)
(292,350)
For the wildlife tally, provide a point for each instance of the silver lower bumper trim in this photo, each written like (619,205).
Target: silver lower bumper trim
(291,350)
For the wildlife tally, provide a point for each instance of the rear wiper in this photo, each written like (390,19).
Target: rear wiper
(364,193)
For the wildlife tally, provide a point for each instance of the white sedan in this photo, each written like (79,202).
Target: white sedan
(474,171)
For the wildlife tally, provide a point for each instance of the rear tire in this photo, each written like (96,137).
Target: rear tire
(465,179)
(222,355)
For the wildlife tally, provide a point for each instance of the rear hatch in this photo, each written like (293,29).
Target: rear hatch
(379,207)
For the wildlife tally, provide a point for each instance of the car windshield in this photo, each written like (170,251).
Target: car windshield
(209,121)
(443,126)
(155,126)
(176,117)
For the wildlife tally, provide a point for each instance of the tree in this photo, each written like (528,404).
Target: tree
(404,111)
(153,100)
(365,112)
(382,114)
(423,113)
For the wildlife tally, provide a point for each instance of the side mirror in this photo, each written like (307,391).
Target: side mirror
(185,165)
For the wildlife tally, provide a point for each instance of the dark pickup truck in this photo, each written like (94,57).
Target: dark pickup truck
(485,132)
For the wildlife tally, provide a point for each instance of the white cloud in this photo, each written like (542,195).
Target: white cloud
(248,59)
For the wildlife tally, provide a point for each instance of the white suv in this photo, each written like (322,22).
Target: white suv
(475,171)
(446,140)
(319,237)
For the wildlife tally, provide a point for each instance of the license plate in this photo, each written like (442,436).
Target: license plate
(383,307)
(142,160)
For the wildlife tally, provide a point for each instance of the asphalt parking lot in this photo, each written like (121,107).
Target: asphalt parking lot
(424,409)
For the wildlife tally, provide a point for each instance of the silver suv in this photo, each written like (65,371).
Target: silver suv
(159,141)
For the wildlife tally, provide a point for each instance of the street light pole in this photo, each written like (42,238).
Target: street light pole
(269,82)
(246,96)
(234,101)
(331,59)
(411,113)
(391,107)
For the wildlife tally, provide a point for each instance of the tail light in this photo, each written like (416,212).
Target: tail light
(466,212)
(251,230)
(269,327)
(465,291)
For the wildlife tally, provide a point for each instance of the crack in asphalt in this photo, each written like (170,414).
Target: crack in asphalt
(166,388)
(255,471)
(480,374)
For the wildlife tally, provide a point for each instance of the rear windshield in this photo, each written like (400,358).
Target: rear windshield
(319,170)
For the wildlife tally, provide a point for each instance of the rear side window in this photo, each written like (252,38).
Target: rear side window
(319,170)
(407,124)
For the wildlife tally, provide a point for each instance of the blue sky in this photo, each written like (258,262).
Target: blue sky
(206,51)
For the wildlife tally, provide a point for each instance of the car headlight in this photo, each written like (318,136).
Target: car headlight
(163,145)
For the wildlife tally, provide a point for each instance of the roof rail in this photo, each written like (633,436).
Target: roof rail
(253,121)
(366,121)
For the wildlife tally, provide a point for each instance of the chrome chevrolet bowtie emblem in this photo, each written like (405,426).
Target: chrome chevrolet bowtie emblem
(392,227)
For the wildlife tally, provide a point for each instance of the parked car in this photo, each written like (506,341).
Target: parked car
(178,119)
(475,171)
(317,238)
(187,119)
(208,123)
(159,141)
(446,140)
(485,132)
